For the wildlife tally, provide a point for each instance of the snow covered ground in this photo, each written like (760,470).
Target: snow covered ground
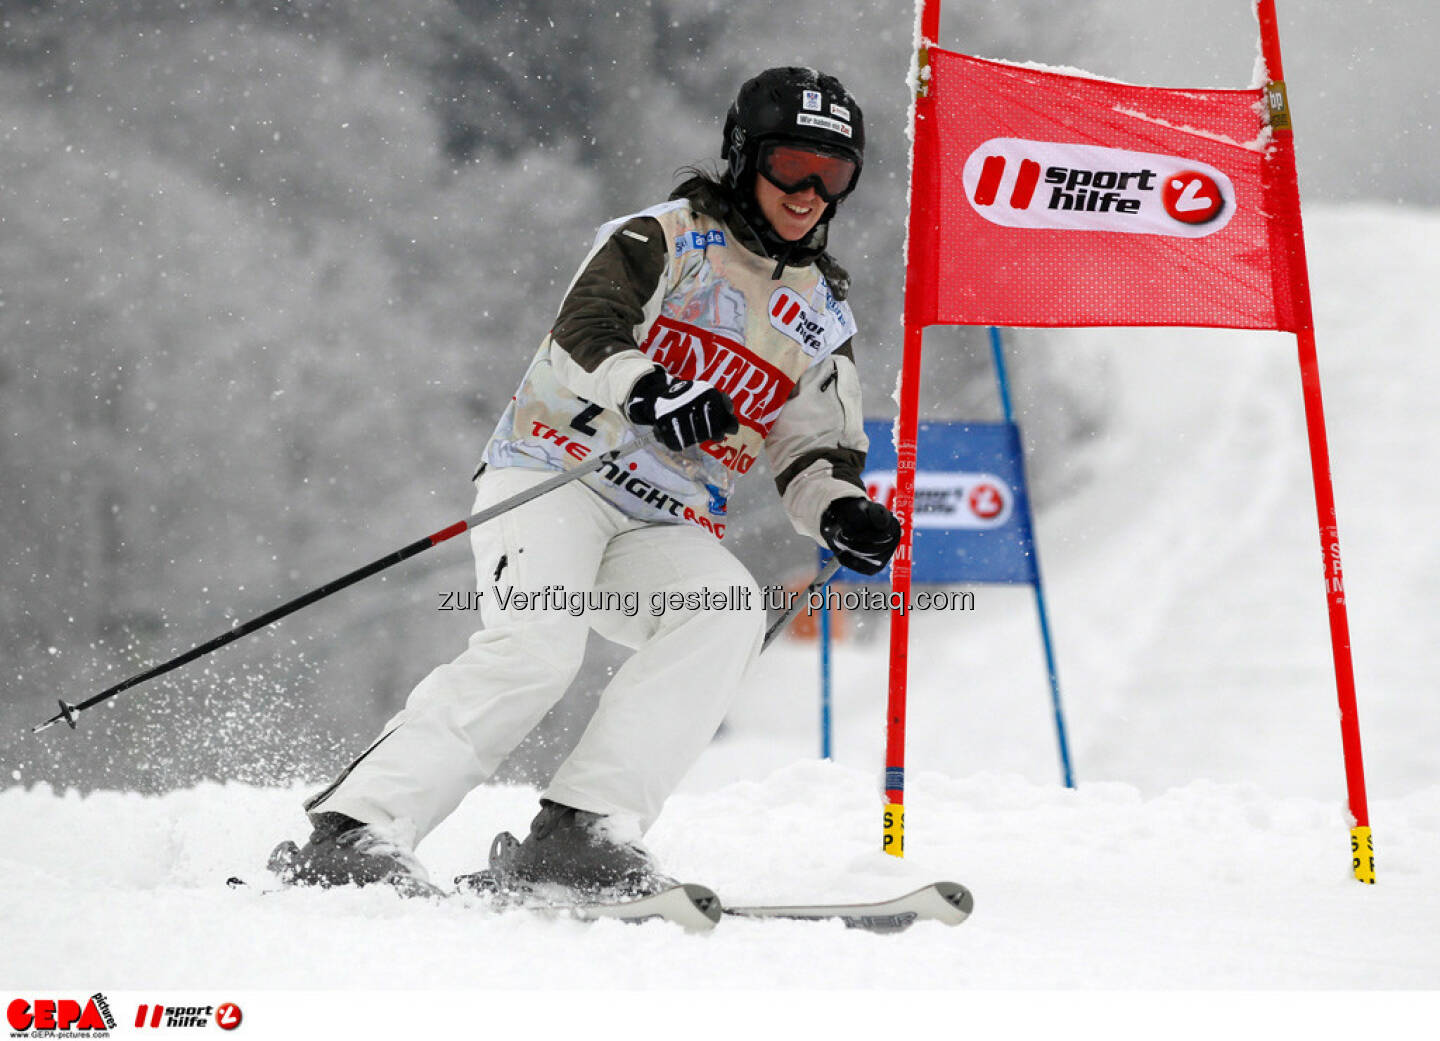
(1205,848)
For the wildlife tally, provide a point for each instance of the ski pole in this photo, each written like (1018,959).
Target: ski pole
(826,574)
(69,713)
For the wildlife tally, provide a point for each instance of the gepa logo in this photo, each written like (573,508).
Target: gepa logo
(967,501)
(1044,184)
(63,1017)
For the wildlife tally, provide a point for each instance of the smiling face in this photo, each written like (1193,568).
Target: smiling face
(793,214)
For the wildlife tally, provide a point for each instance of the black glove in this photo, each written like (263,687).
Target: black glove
(862,533)
(683,412)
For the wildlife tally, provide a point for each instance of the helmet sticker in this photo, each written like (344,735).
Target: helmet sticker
(805,119)
(841,111)
(811,100)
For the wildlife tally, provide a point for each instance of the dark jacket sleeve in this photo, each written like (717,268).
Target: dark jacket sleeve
(617,292)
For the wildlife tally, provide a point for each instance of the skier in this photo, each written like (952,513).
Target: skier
(718,320)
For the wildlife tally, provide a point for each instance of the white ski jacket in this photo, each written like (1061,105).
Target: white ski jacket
(677,287)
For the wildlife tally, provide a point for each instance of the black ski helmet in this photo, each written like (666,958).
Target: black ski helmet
(794,105)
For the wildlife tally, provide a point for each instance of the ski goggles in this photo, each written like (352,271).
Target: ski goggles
(791,167)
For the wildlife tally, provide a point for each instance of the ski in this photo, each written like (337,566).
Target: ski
(947,902)
(696,908)
(409,888)
(692,907)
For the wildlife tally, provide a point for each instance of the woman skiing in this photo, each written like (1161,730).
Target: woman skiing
(716,322)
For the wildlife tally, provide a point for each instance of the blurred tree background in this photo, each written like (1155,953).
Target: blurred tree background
(270,269)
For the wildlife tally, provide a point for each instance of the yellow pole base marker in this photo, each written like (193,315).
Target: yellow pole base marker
(894,840)
(1362,850)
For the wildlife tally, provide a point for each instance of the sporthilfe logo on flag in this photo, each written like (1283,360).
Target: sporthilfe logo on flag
(1018,167)
(1048,184)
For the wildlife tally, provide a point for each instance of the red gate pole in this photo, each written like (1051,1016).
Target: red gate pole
(919,289)
(1287,189)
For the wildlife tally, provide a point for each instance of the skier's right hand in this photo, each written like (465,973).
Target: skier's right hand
(683,412)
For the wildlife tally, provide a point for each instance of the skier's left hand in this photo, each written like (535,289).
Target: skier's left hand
(863,534)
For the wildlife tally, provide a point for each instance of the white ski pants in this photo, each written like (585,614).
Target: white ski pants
(659,711)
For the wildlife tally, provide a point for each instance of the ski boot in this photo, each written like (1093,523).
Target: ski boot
(570,852)
(343,851)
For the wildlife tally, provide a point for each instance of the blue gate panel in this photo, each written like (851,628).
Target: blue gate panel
(972,513)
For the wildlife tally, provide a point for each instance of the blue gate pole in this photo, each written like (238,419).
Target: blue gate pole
(997,349)
(826,751)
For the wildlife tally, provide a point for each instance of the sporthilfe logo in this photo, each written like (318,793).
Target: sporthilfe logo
(1046,184)
(968,501)
(226,1016)
(790,314)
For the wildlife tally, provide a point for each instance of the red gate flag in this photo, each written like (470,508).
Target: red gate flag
(1056,200)
(1043,199)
